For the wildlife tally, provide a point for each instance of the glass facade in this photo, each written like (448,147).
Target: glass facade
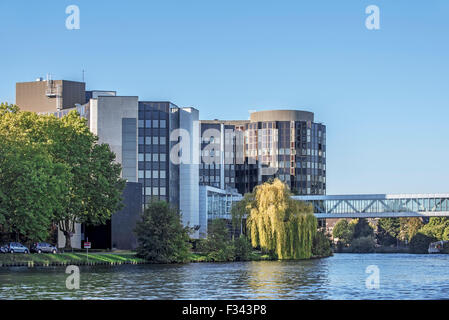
(219,204)
(153,150)
(378,204)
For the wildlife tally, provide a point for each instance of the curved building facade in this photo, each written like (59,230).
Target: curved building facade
(287,144)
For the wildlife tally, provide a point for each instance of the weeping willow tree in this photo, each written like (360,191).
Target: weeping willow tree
(279,224)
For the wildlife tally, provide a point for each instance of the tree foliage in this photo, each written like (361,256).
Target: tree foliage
(363,244)
(388,230)
(420,243)
(343,231)
(362,228)
(279,224)
(54,171)
(409,227)
(436,228)
(321,245)
(161,236)
(218,245)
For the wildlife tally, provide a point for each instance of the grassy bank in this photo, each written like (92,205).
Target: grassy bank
(75,258)
(98,258)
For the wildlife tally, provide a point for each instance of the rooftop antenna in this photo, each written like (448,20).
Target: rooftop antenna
(83,75)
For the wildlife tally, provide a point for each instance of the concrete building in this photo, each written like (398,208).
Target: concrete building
(50,95)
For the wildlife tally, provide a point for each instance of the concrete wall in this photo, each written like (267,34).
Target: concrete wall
(281,115)
(108,118)
(31,96)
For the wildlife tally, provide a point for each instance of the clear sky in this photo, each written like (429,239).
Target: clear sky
(383,94)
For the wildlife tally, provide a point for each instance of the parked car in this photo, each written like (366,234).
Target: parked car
(16,247)
(3,249)
(40,247)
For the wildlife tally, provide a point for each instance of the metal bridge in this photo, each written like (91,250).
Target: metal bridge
(378,205)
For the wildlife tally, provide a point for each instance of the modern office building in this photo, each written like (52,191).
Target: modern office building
(286,144)
(167,153)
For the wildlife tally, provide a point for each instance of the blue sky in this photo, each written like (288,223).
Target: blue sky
(384,94)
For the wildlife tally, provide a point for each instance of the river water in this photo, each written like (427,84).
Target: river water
(343,276)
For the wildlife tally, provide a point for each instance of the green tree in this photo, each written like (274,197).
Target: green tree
(321,245)
(280,225)
(363,229)
(363,244)
(409,227)
(436,227)
(218,246)
(420,243)
(31,184)
(161,236)
(242,248)
(388,230)
(343,231)
(92,184)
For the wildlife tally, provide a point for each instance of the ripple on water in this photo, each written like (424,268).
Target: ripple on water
(342,276)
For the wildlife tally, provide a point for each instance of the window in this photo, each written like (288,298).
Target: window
(155,157)
(141,124)
(148,123)
(155,191)
(162,191)
(148,140)
(147,174)
(162,157)
(141,140)
(155,123)
(148,157)
(163,124)
(155,174)
(148,190)
(155,140)
(162,174)
(162,140)
(141,174)
(141,157)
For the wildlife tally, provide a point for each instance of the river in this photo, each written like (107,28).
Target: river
(343,276)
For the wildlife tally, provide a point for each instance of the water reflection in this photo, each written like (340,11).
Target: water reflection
(340,277)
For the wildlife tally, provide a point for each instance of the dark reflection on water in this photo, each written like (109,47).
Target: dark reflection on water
(343,276)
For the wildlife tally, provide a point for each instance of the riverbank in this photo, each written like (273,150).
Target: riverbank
(63,259)
(102,258)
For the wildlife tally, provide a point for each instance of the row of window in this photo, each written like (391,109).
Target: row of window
(152,123)
(216,179)
(155,157)
(154,191)
(155,174)
(153,140)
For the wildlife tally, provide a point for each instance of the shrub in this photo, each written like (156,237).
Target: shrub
(321,245)
(420,243)
(242,249)
(218,245)
(363,245)
(161,236)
